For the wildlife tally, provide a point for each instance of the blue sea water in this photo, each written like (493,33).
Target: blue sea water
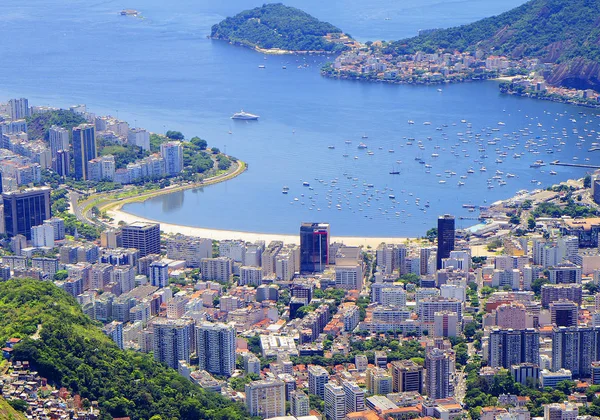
(161,72)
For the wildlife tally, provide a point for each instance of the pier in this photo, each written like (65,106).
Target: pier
(575,165)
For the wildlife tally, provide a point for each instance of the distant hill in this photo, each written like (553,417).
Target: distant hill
(275,26)
(72,351)
(561,32)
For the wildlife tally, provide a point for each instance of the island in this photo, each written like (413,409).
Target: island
(279,29)
(552,45)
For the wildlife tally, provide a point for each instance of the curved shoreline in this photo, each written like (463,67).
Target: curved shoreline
(219,234)
(114,209)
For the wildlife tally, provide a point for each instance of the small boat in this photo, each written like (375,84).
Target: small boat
(364,136)
(331,147)
(283,67)
(261,66)
(394,172)
(391,196)
(553,173)
(305,184)
(362,146)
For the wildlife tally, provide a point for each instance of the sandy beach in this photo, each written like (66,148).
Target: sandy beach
(119,215)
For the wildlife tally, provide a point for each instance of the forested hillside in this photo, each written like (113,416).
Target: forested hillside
(73,352)
(278,26)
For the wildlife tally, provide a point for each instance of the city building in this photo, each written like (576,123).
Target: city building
(355,397)
(564,313)
(554,292)
(139,137)
(445,324)
(314,247)
(445,237)
(551,379)
(215,347)
(565,411)
(25,209)
(172,153)
(84,148)
(42,235)
(299,404)
(407,376)
(379,381)
(508,347)
(574,349)
(159,274)
(114,330)
(142,236)
(317,378)
(335,402)
(219,268)
(172,340)
(18,109)
(526,374)
(265,398)
(437,376)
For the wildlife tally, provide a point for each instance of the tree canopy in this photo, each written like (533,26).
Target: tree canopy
(73,352)
(278,26)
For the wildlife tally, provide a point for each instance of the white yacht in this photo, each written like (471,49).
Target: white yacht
(244,116)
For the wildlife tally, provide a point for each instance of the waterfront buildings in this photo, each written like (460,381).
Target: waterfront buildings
(84,149)
(314,247)
(172,153)
(445,234)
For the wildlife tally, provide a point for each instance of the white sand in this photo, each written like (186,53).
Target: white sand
(217,234)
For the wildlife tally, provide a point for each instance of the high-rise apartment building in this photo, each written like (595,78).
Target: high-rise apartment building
(219,268)
(299,404)
(554,292)
(159,274)
(575,349)
(18,108)
(172,153)
(215,347)
(507,347)
(25,209)
(266,398)
(407,376)
(314,247)
(173,340)
(142,236)
(564,313)
(355,397)
(317,378)
(437,376)
(446,232)
(335,402)
(84,148)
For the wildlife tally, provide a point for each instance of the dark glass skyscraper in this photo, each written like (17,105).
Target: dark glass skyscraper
(84,148)
(314,247)
(25,209)
(445,238)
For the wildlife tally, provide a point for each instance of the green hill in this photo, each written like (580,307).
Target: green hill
(73,352)
(561,32)
(275,26)
(9,413)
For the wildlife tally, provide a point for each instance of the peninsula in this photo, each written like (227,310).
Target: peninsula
(279,29)
(552,43)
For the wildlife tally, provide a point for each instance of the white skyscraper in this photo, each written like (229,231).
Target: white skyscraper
(172,153)
(159,274)
(215,346)
(355,397)
(335,402)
